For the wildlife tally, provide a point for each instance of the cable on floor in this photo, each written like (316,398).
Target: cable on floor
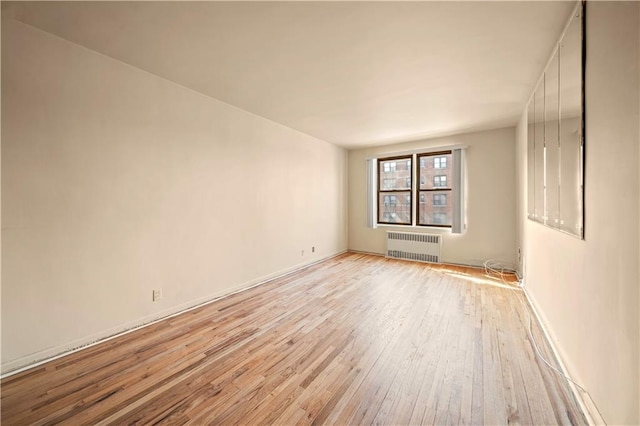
(500,269)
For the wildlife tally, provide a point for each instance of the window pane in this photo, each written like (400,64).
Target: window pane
(395,174)
(440,181)
(435,171)
(440,200)
(551,129)
(539,154)
(440,162)
(436,209)
(571,155)
(394,208)
(531,170)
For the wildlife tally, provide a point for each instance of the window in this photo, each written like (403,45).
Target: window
(439,199)
(556,136)
(435,182)
(389,200)
(388,183)
(394,191)
(440,181)
(429,194)
(440,163)
(440,218)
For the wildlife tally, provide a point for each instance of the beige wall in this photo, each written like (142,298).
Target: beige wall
(116,182)
(491,189)
(587,291)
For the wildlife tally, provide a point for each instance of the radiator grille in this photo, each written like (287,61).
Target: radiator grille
(414,246)
(420,257)
(409,236)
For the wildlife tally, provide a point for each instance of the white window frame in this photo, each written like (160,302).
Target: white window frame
(440,162)
(439,182)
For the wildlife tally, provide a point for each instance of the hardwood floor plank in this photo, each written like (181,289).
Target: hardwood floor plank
(355,339)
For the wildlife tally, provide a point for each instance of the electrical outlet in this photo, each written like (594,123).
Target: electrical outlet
(157,295)
(302,253)
(313,249)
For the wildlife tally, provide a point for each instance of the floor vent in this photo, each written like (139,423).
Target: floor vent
(414,246)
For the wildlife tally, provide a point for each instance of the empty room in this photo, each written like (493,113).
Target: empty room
(320,212)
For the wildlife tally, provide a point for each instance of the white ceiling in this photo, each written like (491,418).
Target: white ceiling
(351,73)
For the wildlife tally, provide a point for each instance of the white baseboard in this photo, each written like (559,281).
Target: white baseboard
(475,265)
(366,252)
(33,360)
(586,404)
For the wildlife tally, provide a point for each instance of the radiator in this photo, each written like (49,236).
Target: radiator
(414,246)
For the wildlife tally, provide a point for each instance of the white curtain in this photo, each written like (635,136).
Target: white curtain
(458,224)
(372,204)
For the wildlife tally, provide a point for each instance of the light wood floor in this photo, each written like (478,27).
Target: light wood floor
(358,339)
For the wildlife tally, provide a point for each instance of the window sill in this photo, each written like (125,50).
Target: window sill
(413,227)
